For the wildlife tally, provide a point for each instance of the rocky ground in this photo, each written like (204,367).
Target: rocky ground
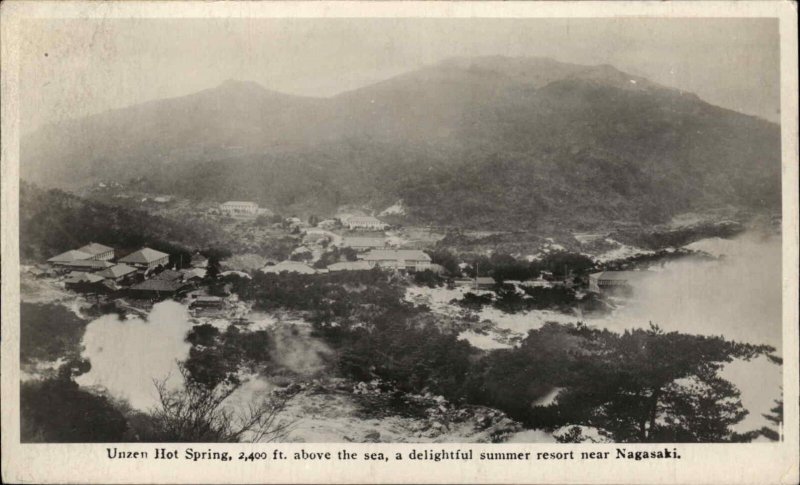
(339,410)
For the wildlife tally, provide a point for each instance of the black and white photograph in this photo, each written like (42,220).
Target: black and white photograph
(401,230)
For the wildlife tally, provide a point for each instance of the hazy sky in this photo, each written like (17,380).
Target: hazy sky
(75,67)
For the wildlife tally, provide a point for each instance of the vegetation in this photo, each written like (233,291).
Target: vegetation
(496,134)
(196,413)
(217,357)
(49,332)
(503,267)
(53,221)
(639,386)
(58,411)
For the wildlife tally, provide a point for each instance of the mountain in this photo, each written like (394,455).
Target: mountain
(482,142)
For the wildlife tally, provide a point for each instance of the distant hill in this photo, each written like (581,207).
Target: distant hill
(480,142)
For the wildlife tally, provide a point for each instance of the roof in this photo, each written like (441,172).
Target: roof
(485,280)
(89,263)
(620,275)
(289,266)
(71,255)
(81,277)
(158,285)
(396,255)
(194,273)
(208,298)
(95,248)
(117,271)
(168,275)
(144,256)
(364,220)
(240,202)
(377,242)
(350,266)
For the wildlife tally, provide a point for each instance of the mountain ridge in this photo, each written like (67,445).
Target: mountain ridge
(564,131)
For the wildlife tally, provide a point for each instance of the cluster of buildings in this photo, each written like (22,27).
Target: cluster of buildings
(408,260)
(94,268)
(238,208)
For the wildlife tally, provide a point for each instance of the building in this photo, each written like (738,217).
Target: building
(365,223)
(98,252)
(479,283)
(327,224)
(146,258)
(69,257)
(402,259)
(87,283)
(239,208)
(87,265)
(157,289)
(615,281)
(194,274)
(118,273)
(207,302)
(350,266)
(199,261)
(363,243)
(289,267)
(302,251)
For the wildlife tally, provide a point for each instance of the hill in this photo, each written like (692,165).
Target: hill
(480,142)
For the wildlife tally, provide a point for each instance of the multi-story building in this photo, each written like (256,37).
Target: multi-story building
(239,208)
(364,223)
(403,259)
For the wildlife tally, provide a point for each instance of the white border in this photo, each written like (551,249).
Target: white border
(714,463)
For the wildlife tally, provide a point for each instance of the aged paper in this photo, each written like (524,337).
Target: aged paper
(399,242)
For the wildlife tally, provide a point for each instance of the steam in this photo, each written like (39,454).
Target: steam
(295,349)
(126,355)
(737,296)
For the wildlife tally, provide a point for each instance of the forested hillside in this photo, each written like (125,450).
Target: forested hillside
(486,142)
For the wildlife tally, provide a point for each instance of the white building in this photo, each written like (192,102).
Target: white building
(289,267)
(239,208)
(406,259)
(365,223)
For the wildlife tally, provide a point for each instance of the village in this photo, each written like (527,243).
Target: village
(347,243)
(292,307)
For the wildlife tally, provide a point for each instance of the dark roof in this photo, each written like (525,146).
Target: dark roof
(168,275)
(158,285)
(79,277)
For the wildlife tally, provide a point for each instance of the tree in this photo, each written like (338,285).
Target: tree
(446,259)
(59,411)
(213,268)
(196,413)
(775,416)
(652,386)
